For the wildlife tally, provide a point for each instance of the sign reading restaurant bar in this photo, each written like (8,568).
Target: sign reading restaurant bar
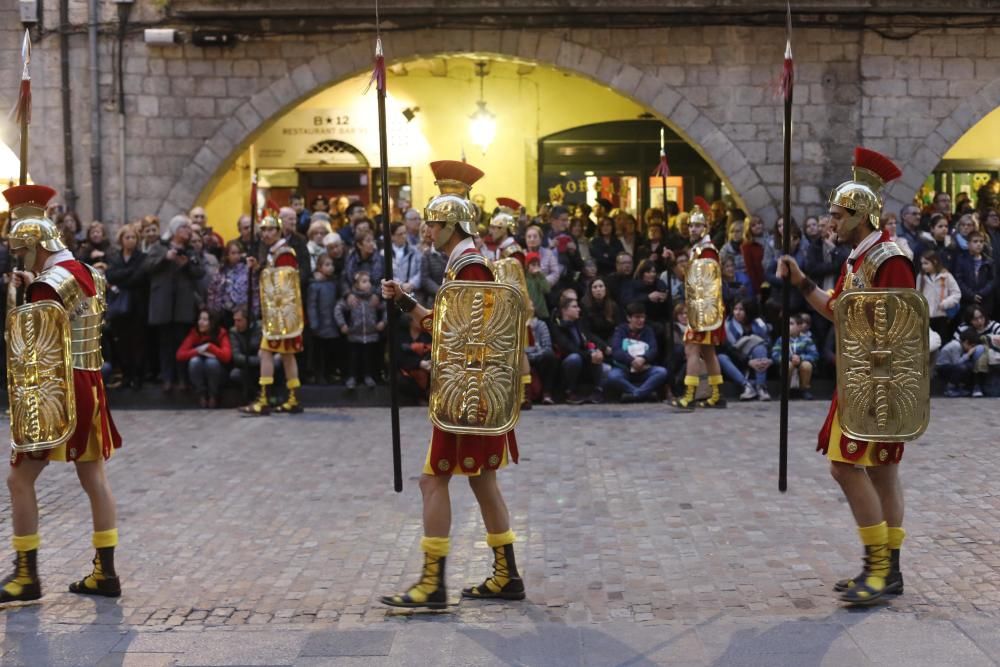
(288,142)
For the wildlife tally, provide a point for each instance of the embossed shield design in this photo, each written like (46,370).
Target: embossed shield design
(40,377)
(883,364)
(475,355)
(703,295)
(281,303)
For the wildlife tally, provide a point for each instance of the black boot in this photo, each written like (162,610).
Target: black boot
(429,592)
(103,580)
(22,585)
(893,582)
(505,584)
(873,584)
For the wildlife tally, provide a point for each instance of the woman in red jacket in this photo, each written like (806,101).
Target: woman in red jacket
(206,351)
(753,252)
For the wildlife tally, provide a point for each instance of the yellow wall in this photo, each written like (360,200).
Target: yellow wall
(982,141)
(530,102)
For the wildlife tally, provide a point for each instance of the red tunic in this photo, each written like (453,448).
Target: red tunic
(894,272)
(716,336)
(468,454)
(93,416)
(293,345)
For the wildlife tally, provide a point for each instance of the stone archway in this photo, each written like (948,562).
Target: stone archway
(967,114)
(270,101)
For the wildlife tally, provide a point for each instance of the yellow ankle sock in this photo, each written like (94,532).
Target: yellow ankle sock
(105,538)
(435,549)
(715,382)
(876,540)
(896,537)
(26,542)
(294,383)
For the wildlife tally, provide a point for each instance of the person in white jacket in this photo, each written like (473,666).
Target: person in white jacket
(942,292)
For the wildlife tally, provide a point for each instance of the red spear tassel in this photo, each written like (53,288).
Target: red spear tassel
(787,72)
(22,112)
(378,74)
(663,169)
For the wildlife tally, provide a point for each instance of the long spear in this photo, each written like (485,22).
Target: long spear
(378,77)
(787,83)
(663,170)
(23,114)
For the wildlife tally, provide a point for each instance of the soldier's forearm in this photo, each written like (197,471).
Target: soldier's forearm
(819,300)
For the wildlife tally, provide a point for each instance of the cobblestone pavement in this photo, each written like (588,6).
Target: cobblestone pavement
(645,537)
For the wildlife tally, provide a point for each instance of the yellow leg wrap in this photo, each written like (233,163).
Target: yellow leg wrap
(23,574)
(435,546)
(106,538)
(500,539)
(690,387)
(265,381)
(876,541)
(294,383)
(435,549)
(26,542)
(714,381)
(896,537)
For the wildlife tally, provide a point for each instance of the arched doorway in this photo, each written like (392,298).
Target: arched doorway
(429,107)
(968,165)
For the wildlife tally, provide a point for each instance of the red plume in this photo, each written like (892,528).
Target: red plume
(876,163)
(507,202)
(453,170)
(36,195)
(663,169)
(378,72)
(702,204)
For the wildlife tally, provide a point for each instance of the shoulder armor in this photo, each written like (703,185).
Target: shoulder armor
(875,258)
(272,257)
(65,285)
(698,249)
(468,259)
(510,250)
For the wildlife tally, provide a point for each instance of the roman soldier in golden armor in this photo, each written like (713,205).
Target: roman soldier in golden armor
(705,311)
(503,227)
(477,326)
(59,409)
(882,397)
(282,321)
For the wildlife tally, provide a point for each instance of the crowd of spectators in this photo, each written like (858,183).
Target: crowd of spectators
(606,288)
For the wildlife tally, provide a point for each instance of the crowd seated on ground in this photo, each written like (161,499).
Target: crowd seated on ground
(606,286)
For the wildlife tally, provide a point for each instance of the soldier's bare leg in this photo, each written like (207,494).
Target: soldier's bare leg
(291,366)
(878,577)
(714,376)
(94,480)
(437,505)
(692,354)
(496,516)
(102,580)
(430,591)
(859,491)
(23,503)
(260,405)
(890,491)
(23,584)
(505,582)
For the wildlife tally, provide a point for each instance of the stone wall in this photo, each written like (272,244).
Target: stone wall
(189,108)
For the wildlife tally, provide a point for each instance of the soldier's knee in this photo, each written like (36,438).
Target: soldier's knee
(431,483)
(841,472)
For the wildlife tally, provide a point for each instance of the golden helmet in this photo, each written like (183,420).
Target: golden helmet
(700,212)
(507,214)
(269,222)
(862,195)
(30,227)
(452,207)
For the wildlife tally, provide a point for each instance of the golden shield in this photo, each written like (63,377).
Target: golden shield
(281,303)
(476,351)
(40,376)
(510,272)
(703,295)
(883,364)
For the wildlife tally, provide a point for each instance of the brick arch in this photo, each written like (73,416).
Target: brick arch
(921,163)
(265,105)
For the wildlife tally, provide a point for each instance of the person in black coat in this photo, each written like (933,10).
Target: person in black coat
(605,247)
(127,305)
(579,352)
(174,269)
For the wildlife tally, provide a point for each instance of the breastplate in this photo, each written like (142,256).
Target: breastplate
(86,314)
